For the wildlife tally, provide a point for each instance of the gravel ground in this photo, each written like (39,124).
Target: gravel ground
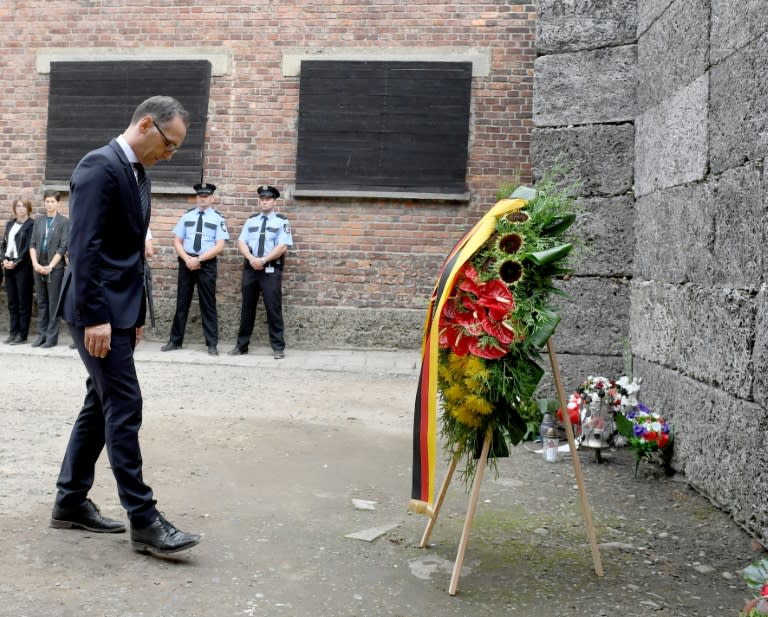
(265,458)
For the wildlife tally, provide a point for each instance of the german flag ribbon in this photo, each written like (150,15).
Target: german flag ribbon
(425,408)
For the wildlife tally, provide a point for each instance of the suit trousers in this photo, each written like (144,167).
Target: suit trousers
(111,416)
(47,290)
(19,284)
(205,279)
(270,286)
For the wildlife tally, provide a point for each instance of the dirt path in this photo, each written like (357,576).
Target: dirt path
(266,457)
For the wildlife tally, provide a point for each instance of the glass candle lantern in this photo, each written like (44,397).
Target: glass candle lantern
(550,443)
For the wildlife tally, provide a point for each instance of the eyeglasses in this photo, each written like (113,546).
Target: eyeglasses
(169,145)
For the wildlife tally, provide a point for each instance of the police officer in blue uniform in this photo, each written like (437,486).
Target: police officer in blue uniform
(264,241)
(199,237)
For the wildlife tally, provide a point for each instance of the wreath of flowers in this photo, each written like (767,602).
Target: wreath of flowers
(497,318)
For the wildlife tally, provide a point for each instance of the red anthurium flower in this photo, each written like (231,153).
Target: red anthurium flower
(497,298)
(470,321)
(499,330)
(469,272)
(487,351)
(764,591)
(663,439)
(476,309)
(470,287)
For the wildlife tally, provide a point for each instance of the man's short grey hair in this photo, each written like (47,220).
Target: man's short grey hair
(162,108)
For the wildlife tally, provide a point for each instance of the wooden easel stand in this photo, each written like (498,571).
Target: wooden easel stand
(478,480)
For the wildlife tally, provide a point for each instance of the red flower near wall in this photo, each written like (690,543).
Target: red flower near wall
(476,319)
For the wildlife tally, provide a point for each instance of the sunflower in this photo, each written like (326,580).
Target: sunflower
(510,243)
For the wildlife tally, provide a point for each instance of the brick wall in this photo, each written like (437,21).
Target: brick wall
(377,256)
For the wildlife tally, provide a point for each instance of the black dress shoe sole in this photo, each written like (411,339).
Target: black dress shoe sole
(61,524)
(143,547)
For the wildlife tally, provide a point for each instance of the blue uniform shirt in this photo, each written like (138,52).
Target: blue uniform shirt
(214,229)
(278,231)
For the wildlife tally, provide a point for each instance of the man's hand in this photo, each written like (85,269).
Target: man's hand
(139,334)
(98,340)
(192,263)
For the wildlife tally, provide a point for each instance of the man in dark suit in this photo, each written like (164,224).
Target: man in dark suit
(104,302)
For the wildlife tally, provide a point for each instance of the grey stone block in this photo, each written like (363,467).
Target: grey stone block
(704,333)
(673,52)
(585,87)
(738,121)
(704,233)
(594,315)
(339,327)
(605,232)
(574,370)
(565,25)
(738,224)
(734,24)
(760,350)
(600,157)
(671,140)
(719,442)
(673,233)
(648,11)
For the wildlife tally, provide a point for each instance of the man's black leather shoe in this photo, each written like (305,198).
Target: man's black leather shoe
(85,516)
(38,341)
(162,538)
(236,351)
(18,341)
(170,347)
(49,344)
(212,351)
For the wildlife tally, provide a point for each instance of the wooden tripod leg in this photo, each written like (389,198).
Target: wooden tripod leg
(475,494)
(576,462)
(440,498)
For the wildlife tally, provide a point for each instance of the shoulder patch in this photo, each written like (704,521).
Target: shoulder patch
(190,210)
(280,216)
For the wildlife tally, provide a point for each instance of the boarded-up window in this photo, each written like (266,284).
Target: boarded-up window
(89,103)
(386,127)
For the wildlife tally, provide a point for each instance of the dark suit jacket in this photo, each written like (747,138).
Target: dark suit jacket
(58,237)
(23,237)
(105,279)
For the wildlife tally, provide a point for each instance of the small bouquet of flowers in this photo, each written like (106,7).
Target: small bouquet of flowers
(646,431)
(756,577)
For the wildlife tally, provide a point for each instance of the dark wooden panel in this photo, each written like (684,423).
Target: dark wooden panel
(383,124)
(89,103)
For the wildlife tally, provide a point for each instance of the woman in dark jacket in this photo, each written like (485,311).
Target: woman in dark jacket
(17,267)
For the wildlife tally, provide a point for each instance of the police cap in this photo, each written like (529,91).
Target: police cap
(204,188)
(268,191)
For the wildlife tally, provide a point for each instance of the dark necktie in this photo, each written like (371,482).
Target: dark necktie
(49,222)
(141,178)
(198,233)
(262,238)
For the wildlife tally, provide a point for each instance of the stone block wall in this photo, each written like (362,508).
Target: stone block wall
(584,112)
(697,299)
(693,295)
